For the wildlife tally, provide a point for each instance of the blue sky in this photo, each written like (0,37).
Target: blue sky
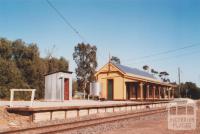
(128,29)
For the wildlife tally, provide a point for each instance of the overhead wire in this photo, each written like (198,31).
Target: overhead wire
(163,52)
(170,57)
(135,59)
(65,20)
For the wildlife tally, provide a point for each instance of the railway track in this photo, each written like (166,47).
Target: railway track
(64,127)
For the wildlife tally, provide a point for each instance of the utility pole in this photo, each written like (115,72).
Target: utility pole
(179,82)
(186,92)
(109,58)
(109,61)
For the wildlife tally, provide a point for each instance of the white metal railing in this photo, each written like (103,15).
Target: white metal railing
(12,91)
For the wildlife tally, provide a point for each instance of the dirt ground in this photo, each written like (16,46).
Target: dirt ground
(8,120)
(153,126)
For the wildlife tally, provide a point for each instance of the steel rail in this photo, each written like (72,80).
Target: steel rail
(61,127)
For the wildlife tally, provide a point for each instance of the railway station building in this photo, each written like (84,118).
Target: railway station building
(119,82)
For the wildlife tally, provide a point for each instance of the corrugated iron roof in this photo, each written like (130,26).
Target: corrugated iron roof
(68,72)
(135,71)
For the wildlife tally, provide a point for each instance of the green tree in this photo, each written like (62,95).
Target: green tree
(74,86)
(146,68)
(10,78)
(5,49)
(154,71)
(163,75)
(22,67)
(53,64)
(115,60)
(190,90)
(28,61)
(85,58)
(63,64)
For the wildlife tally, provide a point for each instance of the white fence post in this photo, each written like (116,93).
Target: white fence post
(22,90)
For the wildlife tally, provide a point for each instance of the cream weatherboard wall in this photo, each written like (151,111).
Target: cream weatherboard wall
(121,78)
(112,72)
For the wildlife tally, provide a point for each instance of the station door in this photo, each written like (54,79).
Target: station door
(110,89)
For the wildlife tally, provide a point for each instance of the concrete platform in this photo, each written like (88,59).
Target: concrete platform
(69,103)
(47,111)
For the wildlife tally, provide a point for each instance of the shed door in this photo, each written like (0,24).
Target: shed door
(66,89)
(110,90)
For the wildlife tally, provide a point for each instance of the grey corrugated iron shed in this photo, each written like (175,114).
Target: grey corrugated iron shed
(58,86)
(135,71)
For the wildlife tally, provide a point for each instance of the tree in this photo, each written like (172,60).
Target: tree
(22,67)
(146,68)
(5,49)
(190,89)
(115,60)
(10,78)
(53,64)
(74,86)
(63,64)
(163,75)
(85,58)
(28,61)
(154,71)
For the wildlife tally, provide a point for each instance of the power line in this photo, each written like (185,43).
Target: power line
(179,82)
(65,20)
(169,57)
(165,52)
